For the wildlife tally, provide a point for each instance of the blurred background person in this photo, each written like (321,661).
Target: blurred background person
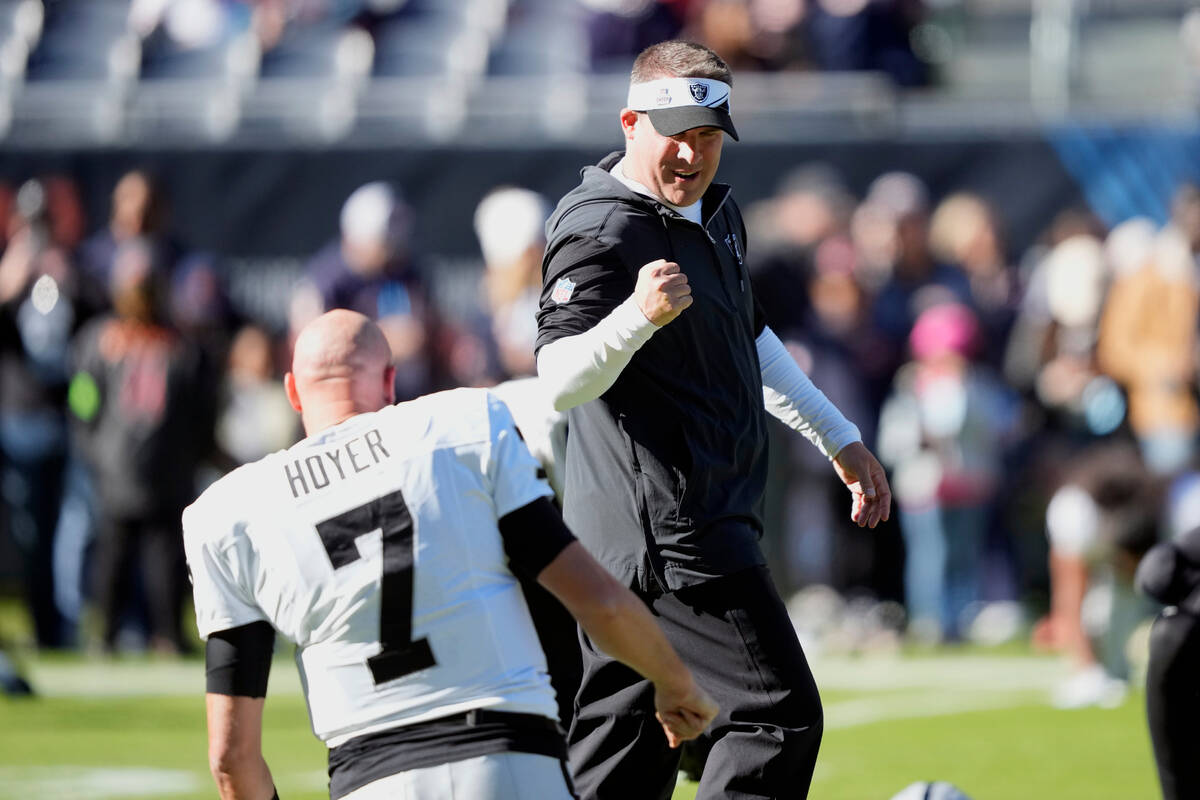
(1101,520)
(490,337)
(139,210)
(1147,339)
(142,395)
(43,302)
(891,229)
(837,345)
(810,205)
(944,431)
(255,418)
(370,269)
(510,223)
(856,35)
(1051,352)
(964,231)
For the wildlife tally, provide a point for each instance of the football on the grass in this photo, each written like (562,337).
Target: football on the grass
(930,790)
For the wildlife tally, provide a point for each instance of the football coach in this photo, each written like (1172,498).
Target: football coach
(648,331)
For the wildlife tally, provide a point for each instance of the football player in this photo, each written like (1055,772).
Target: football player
(384,545)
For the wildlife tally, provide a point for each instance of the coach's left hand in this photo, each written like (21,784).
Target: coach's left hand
(868,484)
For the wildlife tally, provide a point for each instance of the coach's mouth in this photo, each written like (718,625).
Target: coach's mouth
(687,176)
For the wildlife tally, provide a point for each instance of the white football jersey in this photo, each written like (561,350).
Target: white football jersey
(374,546)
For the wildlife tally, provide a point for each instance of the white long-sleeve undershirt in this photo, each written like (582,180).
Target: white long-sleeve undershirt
(579,368)
(795,401)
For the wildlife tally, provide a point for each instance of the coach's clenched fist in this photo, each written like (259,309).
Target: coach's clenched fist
(662,291)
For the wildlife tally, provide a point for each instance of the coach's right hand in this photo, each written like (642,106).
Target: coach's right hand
(684,711)
(662,291)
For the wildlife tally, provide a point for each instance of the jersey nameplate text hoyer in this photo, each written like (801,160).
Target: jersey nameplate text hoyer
(319,470)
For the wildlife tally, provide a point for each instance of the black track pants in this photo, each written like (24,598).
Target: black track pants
(735,635)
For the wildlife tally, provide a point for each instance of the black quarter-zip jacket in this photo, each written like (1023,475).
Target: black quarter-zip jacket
(665,471)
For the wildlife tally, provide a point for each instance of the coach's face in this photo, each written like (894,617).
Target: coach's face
(680,168)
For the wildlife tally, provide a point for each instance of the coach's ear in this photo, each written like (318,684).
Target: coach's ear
(629,122)
(289,386)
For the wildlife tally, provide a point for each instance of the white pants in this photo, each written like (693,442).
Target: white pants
(501,776)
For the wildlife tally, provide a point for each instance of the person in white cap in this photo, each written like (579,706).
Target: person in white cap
(649,333)
(370,268)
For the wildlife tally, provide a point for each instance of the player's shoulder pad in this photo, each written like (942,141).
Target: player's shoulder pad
(215,512)
(445,419)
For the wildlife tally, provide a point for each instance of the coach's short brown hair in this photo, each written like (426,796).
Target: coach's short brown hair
(679,59)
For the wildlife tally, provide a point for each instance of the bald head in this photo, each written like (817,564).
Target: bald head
(341,366)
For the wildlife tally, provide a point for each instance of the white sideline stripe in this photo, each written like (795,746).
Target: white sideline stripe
(852,713)
(94,783)
(140,679)
(970,673)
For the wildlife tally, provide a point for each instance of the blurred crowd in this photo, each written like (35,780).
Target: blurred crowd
(1037,411)
(829,35)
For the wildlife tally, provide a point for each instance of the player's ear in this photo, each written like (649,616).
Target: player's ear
(389,384)
(289,386)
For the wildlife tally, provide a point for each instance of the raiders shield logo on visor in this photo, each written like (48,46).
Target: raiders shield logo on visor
(699,91)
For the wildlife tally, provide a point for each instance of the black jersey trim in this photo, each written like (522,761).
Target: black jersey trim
(374,756)
(237,661)
(533,536)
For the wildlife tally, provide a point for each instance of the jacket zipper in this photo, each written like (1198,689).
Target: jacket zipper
(713,242)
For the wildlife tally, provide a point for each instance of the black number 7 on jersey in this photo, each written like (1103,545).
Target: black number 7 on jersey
(400,655)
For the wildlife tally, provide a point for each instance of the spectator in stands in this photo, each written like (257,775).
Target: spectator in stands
(855,35)
(727,26)
(511,226)
(619,29)
(369,269)
(811,205)
(944,430)
(65,217)
(803,267)
(1147,340)
(189,24)
(255,418)
(139,211)
(1052,351)
(965,232)
(838,347)
(200,310)
(42,304)
(892,231)
(140,396)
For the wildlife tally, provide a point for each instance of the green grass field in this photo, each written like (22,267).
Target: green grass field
(135,729)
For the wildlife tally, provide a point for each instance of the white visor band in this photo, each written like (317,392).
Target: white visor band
(676,105)
(677,92)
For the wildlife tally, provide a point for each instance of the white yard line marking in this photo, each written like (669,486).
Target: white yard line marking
(95,783)
(852,713)
(139,679)
(971,673)
(975,674)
